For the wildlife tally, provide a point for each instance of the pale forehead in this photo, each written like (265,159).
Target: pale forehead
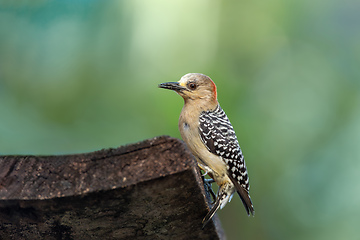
(190,77)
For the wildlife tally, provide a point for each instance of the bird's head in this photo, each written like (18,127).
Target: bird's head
(195,87)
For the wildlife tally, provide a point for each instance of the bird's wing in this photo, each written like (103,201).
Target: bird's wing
(218,135)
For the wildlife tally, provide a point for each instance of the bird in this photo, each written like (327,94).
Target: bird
(208,133)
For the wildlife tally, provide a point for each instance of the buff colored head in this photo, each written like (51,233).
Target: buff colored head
(193,87)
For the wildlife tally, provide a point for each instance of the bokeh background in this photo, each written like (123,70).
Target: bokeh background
(78,76)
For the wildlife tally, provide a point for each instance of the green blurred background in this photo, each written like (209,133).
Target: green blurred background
(78,76)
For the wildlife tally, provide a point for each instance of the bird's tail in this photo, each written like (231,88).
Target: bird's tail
(223,197)
(212,212)
(224,194)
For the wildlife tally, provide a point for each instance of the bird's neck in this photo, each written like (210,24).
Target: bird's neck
(200,105)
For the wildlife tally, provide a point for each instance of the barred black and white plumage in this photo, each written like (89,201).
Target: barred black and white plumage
(219,137)
(209,135)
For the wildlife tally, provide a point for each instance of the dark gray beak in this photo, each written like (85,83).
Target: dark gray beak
(172,86)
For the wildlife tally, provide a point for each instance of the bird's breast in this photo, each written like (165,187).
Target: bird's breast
(189,131)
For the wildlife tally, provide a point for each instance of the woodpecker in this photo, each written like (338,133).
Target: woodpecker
(209,135)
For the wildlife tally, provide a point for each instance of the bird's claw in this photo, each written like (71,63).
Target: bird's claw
(207,186)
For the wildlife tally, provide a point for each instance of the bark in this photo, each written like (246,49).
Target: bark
(148,190)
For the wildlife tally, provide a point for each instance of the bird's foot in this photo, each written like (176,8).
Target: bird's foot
(208,188)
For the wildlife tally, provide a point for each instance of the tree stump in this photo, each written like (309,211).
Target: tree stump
(148,190)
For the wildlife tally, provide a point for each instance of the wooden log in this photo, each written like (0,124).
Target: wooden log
(148,190)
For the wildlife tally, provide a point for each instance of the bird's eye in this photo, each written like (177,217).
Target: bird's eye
(192,85)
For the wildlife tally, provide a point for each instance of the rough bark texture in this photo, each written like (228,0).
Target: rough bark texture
(148,190)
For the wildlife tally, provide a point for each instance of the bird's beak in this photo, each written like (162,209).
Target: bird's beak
(172,86)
